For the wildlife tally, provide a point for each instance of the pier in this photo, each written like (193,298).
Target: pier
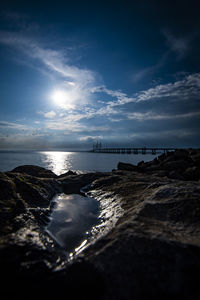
(97,148)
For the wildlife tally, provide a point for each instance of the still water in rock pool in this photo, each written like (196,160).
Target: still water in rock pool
(72,219)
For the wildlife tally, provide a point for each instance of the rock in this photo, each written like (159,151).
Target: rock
(126,167)
(35,171)
(196,158)
(154,248)
(73,184)
(155,161)
(150,168)
(67,174)
(11,205)
(181,164)
(34,191)
(192,173)
(162,157)
(175,165)
(27,252)
(181,154)
(175,175)
(140,164)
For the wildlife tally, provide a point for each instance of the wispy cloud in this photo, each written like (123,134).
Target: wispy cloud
(74,82)
(185,89)
(180,90)
(178,44)
(172,133)
(12,125)
(150,70)
(67,126)
(157,116)
(121,98)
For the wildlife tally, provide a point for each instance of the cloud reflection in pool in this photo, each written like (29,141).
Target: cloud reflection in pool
(72,217)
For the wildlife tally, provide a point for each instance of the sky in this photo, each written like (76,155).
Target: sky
(124,73)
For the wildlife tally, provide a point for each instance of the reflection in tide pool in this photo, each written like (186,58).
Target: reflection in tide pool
(72,219)
(58,162)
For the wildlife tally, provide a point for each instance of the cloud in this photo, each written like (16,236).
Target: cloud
(90,138)
(188,88)
(185,89)
(75,82)
(179,45)
(68,126)
(121,98)
(164,134)
(157,116)
(50,115)
(15,126)
(149,71)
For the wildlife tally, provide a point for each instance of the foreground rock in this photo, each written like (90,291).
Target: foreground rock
(34,171)
(151,252)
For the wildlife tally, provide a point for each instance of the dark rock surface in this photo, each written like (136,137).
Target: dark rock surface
(67,174)
(181,164)
(126,167)
(34,171)
(151,252)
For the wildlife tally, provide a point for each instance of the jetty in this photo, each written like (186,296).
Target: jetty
(97,148)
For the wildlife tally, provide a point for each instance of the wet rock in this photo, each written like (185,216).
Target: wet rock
(73,184)
(155,248)
(27,253)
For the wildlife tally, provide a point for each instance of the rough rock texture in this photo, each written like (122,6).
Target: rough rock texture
(152,252)
(182,164)
(34,171)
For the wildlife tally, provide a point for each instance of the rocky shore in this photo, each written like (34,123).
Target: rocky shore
(150,248)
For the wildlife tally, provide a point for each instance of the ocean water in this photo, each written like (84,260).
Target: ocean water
(60,161)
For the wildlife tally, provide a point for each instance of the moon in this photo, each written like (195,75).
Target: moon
(59,97)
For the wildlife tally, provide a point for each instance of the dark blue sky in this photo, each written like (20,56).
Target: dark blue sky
(121,72)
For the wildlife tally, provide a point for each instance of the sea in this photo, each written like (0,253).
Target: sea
(62,161)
